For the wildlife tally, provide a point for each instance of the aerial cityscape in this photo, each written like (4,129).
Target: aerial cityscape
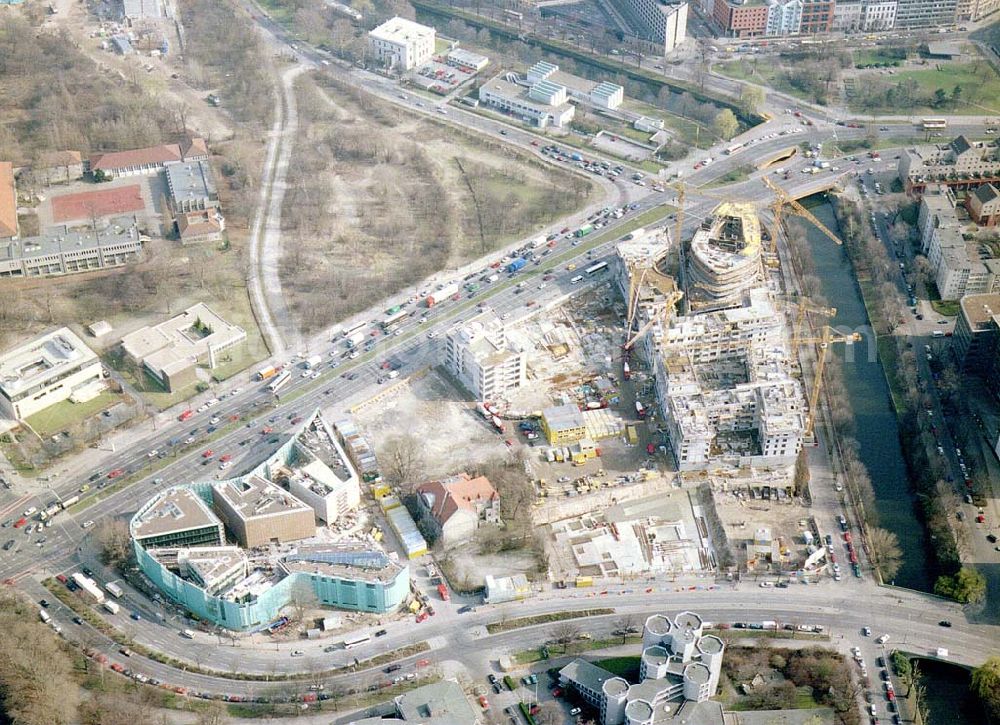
(521,362)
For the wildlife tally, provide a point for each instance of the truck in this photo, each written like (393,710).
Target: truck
(356,339)
(640,410)
(112,607)
(114,590)
(583,231)
(264,373)
(313,362)
(443,593)
(89,586)
(442,294)
(517,264)
(626,370)
(631,435)
(536,243)
(44,616)
(497,423)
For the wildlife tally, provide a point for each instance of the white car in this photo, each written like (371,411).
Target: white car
(87,524)
(30,510)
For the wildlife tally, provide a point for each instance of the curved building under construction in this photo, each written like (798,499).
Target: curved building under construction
(724,258)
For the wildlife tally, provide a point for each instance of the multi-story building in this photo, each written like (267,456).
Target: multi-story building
(49,369)
(402,44)
(171,350)
(724,259)
(479,354)
(976,342)
(958,264)
(975,10)
(554,87)
(514,99)
(960,164)
(319,473)
(62,250)
(679,671)
(817,16)
(784,17)
(177,518)
(191,186)
(563,424)
(925,13)
(983,204)
(258,512)
(937,209)
(878,15)
(8,201)
(741,20)
(658,21)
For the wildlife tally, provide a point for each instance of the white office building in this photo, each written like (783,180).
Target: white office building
(479,354)
(658,21)
(45,371)
(516,100)
(402,44)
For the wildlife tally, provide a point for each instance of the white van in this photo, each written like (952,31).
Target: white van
(577,279)
(187,634)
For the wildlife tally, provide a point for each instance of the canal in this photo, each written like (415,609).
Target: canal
(949,699)
(876,427)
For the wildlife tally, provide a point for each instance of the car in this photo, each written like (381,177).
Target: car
(136,616)
(557,692)
(467,608)
(125,651)
(866,631)
(575,711)
(483,702)
(944,623)
(77,620)
(392,668)
(491,678)
(298,653)
(44,603)
(208,454)
(381,633)
(87,524)
(9,545)
(991,538)
(116,473)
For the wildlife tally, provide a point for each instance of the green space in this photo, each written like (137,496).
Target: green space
(530,656)
(441,46)
(948,308)
(866,57)
(506,625)
(803,700)
(686,130)
(740,173)
(280,12)
(765,74)
(627,667)
(977,81)
(64,414)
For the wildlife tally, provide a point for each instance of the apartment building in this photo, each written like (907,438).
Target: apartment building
(983,204)
(479,354)
(658,21)
(879,15)
(848,16)
(741,20)
(817,16)
(402,44)
(49,369)
(784,17)
(977,334)
(975,10)
(960,164)
(925,13)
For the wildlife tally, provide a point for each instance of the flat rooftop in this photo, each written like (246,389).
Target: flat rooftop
(255,496)
(347,563)
(401,30)
(563,417)
(440,703)
(318,441)
(980,310)
(65,240)
(188,334)
(178,509)
(43,361)
(190,181)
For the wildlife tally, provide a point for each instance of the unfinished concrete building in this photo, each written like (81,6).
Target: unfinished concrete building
(724,258)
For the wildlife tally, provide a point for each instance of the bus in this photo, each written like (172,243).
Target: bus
(599,267)
(733,149)
(934,124)
(352,642)
(355,328)
(390,322)
(279,382)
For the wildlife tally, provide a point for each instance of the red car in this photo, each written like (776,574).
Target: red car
(61,578)
(20,522)
(421,617)
(185,415)
(266,430)
(225,458)
(980,519)
(557,692)
(650,448)
(116,473)
(208,454)
(483,702)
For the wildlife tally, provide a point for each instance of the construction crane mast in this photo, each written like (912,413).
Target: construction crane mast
(778,209)
(672,300)
(802,306)
(829,337)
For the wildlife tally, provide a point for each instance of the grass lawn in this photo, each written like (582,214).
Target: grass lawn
(980,86)
(685,130)
(64,414)
(872,57)
(949,308)
(277,10)
(627,667)
(740,173)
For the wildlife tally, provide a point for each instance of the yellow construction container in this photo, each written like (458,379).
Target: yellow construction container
(631,434)
(585,581)
(414,606)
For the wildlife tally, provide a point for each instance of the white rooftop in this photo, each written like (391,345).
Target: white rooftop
(42,361)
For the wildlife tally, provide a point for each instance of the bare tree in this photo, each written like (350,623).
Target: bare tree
(403,460)
(565,633)
(624,626)
(886,553)
(115,542)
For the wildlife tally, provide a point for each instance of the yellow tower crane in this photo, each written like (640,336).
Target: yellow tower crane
(672,300)
(802,306)
(829,337)
(778,209)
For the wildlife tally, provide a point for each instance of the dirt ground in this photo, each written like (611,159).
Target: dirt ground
(379,199)
(453,434)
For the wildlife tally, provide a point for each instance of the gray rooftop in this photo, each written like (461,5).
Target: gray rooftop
(586,675)
(190,181)
(440,703)
(177,509)
(563,417)
(63,240)
(255,496)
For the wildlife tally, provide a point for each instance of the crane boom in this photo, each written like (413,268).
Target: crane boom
(783,199)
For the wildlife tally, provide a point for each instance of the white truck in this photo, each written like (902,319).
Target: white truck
(313,362)
(114,590)
(356,339)
(89,585)
(112,607)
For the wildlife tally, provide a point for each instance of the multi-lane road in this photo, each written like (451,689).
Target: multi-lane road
(907,617)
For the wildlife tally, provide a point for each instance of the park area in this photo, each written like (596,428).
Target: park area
(962,88)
